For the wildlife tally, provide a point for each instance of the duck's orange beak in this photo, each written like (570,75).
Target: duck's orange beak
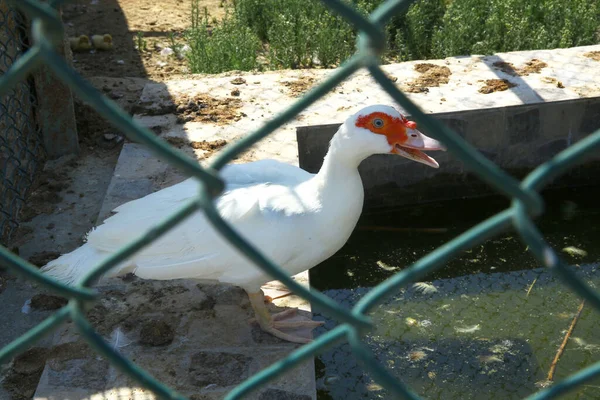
(413,143)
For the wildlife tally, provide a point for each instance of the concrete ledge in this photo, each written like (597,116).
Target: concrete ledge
(562,74)
(517,138)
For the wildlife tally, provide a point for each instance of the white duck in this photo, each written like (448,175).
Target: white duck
(296,218)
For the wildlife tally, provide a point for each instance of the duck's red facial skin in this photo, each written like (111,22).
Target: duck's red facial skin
(393,128)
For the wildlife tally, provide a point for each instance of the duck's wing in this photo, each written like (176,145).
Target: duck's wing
(193,248)
(155,204)
(264,171)
(136,217)
(159,204)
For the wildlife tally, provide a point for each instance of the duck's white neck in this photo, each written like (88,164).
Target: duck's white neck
(342,157)
(338,176)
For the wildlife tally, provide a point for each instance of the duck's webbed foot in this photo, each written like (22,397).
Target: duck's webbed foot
(273,323)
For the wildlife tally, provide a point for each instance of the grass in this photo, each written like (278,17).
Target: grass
(280,34)
(230,45)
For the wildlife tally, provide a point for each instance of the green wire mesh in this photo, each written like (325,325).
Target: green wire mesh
(21,150)
(526,204)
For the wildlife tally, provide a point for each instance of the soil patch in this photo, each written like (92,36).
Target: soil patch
(496,85)
(299,86)
(42,258)
(202,108)
(238,81)
(156,333)
(533,66)
(553,81)
(22,379)
(431,76)
(209,146)
(93,130)
(594,55)
(45,193)
(47,302)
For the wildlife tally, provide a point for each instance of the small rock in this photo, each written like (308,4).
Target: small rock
(109,136)
(167,51)
(238,81)
(156,333)
(120,62)
(192,106)
(235,92)
(47,302)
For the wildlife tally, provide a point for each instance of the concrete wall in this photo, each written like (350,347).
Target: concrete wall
(56,109)
(517,138)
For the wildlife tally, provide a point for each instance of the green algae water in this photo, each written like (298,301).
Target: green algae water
(487,325)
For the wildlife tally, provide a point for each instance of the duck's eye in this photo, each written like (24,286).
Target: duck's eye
(378,123)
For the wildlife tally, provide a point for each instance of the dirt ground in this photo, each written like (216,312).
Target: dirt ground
(132,23)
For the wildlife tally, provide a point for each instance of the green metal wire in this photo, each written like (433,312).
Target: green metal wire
(21,149)
(526,204)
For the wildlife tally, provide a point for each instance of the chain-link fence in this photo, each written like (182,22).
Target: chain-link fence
(21,150)
(526,204)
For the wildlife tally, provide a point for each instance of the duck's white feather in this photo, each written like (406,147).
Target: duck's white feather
(263,171)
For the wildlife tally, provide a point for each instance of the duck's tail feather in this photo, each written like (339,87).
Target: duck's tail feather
(70,268)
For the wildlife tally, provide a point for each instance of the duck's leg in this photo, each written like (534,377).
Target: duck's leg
(269,299)
(273,323)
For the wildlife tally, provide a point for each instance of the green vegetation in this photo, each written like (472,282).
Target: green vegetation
(484,26)
(275,34)
(230,45)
